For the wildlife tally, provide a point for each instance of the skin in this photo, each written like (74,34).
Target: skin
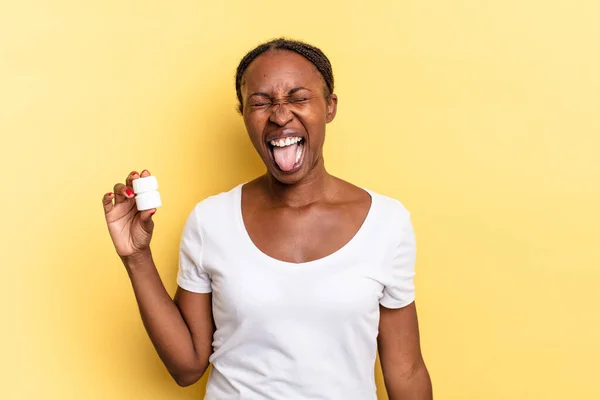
(296,216)
(307,214)
(180,329)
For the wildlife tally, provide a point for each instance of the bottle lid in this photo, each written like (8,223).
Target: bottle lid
(145,184)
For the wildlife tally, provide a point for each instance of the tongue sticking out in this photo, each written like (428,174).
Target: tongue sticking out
(285,157)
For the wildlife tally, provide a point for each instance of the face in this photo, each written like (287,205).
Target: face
(285,111)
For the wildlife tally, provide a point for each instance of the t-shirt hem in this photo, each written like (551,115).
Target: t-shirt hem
(392,303)
(190,287)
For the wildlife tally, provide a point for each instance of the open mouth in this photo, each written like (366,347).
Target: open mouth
(287,152)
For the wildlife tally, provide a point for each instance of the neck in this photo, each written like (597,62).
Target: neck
(311,189)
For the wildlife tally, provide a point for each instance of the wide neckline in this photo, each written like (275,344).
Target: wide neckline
(326,259)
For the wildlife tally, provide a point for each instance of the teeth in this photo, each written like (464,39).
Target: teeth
(285,142)
(299,152)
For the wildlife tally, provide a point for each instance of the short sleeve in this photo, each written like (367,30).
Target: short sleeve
(399,288)
(191,275)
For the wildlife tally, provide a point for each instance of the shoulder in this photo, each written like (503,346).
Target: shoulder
(395,229)
(380,203)
(388,207)
(217,206)
(391,220)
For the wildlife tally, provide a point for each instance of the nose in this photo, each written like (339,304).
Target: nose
(281,115)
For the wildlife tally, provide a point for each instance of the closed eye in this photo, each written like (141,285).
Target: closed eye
(259,104)
(300,100)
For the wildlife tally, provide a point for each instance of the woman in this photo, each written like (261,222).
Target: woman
(288,283)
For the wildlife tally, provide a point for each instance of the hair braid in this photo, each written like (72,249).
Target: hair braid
(311,53)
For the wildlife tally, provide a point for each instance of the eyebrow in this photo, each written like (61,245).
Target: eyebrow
(261,94)
(291,92)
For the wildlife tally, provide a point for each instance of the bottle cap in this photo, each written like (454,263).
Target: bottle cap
(145,184)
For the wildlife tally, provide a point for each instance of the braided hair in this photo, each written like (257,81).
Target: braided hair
(311,53)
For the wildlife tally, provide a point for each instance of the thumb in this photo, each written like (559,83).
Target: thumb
(146,219)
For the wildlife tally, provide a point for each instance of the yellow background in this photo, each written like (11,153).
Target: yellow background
(480,116)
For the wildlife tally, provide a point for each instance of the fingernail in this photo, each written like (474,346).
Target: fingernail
(129,192)
(144,171)
(152,213)
(110,193)
(134,173)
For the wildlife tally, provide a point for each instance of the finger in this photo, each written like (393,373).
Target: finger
(133,175)
(107,202)
(147,214)
(145,173)
(146,219)
(122,193)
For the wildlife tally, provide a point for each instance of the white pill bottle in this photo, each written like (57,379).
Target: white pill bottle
(146,193)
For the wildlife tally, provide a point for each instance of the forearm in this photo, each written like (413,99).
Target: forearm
(412,385)
(164,323)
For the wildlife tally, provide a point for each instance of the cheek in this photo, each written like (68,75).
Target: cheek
(309,115)
(254,127)
(251,123)
(314,119)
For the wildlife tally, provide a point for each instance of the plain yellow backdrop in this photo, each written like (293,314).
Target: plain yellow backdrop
(482,117)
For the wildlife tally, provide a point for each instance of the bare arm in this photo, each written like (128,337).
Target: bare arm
(181,329)
(404,371)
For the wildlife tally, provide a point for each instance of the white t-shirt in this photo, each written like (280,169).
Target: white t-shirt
(287,331)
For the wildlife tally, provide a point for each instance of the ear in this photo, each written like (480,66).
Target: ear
(331,108)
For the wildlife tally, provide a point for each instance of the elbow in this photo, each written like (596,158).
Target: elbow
(188,376)
(186,380)
(415,371)
(409,380)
